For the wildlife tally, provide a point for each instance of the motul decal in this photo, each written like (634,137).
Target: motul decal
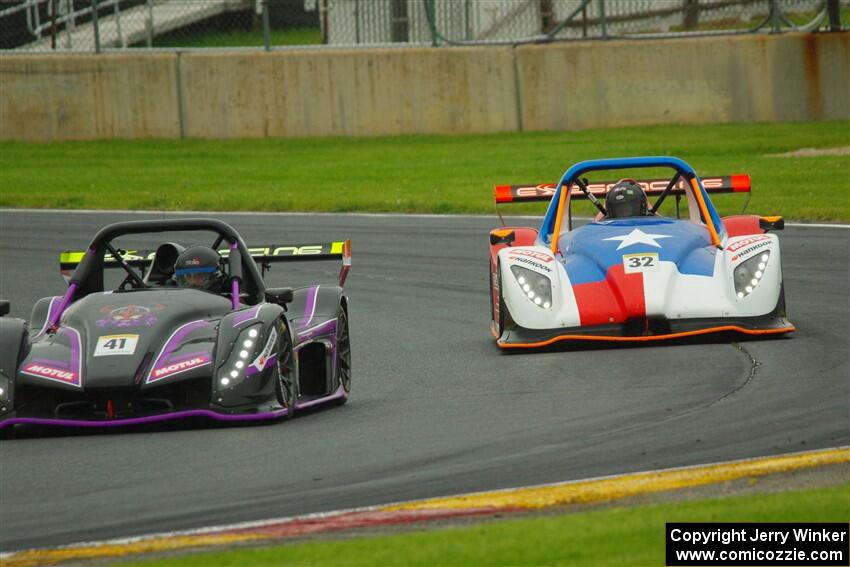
(179,367)
(531,254)
(68,376)
(746,242)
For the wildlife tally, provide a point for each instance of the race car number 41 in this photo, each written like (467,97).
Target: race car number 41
(111,345)
(642,262)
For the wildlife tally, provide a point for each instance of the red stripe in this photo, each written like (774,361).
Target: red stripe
(618,297)
(361,519)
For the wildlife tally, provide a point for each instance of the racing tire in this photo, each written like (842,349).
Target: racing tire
(500,324)
(285,384)
(343,354)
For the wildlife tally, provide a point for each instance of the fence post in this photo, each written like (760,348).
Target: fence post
(53,8)
(149,23)
(267,32)
(357,21)
(602,19)
(691,8)
(775,20)
(834,12)
(96,28)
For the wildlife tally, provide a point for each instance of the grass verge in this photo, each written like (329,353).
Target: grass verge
(415,174)
(612,536)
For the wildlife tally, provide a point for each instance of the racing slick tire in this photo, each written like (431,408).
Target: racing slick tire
(286,382)
(343,354)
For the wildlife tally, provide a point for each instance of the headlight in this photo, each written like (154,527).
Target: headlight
(537,287)
(233,370)
(749,274)
(5,394)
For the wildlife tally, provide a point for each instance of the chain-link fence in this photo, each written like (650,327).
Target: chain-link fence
(101,25)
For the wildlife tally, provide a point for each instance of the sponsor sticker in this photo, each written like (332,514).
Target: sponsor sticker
(111,345)
(532,263)
(49,372)
(263,359)
(746,242)
(177,367)
(641,262)
(541,256)
(747,252)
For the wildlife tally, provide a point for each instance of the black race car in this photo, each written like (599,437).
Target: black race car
(160,345)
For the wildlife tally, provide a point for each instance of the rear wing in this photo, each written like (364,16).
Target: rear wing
(652,187)
(262,255)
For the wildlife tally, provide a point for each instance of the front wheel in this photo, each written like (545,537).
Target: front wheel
(285,386)
(343,354)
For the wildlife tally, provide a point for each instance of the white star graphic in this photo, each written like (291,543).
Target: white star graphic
(637,236)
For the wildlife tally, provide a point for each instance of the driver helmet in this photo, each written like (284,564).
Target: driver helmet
(626,199)
(199,267)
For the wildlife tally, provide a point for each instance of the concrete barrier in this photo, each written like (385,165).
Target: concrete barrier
(348,93)
(72,97)
(758,78)
(563,86)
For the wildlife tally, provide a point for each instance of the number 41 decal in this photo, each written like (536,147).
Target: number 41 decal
(110,345)
(642,262)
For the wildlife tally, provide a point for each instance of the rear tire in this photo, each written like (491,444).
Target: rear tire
(285,385)
(343,354)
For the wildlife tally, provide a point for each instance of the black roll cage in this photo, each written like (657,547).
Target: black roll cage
(88,275)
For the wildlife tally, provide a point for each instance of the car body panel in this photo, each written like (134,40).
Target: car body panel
(637,278)
(159,352)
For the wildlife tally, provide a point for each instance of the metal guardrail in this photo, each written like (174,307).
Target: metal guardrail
(106,25)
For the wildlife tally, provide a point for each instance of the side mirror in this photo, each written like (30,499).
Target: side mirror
(6,306)
(279,295)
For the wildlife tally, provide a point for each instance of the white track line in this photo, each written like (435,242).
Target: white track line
(315,214)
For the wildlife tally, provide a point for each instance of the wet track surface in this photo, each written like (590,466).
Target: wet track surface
(436,408)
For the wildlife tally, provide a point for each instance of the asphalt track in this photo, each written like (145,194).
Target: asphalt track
(436,409)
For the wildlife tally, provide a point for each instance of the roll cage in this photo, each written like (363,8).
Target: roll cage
(701,209)
(88,276)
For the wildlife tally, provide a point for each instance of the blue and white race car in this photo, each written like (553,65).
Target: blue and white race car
(631,274)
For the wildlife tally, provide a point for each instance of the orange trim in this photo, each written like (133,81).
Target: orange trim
(772,219)
(558,216)
(502,232)
(704,210)
(650,338)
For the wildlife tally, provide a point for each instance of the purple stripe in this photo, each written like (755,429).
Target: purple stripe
(310,305)
(175,359)
(327,326)
(254,370)
(51,313)
(149,419)
(76,364)
(234,294)
(172,345)
(53,319)
(338,395)
(246,315)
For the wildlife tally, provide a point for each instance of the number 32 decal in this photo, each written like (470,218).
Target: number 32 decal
(642,262)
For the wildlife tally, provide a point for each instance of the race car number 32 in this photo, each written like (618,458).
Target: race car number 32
(642,262)
(110,345)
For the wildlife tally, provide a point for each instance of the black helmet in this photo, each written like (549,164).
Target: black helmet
(626,199)
(198,267)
